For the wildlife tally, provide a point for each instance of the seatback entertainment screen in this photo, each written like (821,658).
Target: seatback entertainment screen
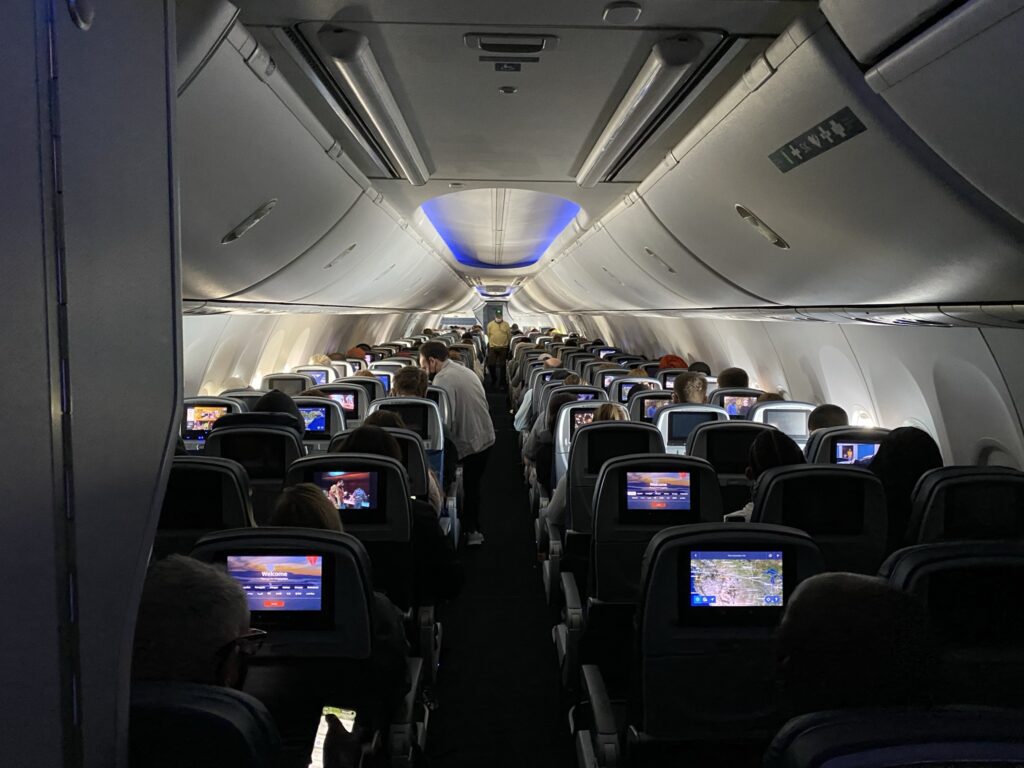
(199,420)
(385,379)
(279,582)
(580,418)
(347,401)
(658,491)
(738,405)
(682,423)
(793,423)
(651,406)
(315,418)
(319,377)
(586,396)
(349,490)
(854,453)
(736,579)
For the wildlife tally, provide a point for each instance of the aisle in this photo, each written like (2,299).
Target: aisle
(498,684)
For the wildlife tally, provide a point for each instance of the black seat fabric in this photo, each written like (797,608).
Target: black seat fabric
(975,606)
(204,493)
(260,419)
(977,737)
(726,445)
(956,503)
(186,725)
(841,507)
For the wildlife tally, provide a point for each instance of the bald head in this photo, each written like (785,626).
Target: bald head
(553,362)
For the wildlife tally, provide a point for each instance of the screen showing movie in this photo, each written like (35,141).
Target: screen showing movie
(585,395)
(669,382)
(736,579)
(793,423)
(607,379)
(738,405)
(579,419)
(385,379)
(859,454)
(658,491)
(319,377)
(681,424)
(315,418)
(279,582)
(199,420)
(368,358)
(624,392)
(651,406)
(349,490)
(347,401)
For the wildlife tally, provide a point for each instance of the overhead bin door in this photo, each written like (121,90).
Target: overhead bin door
(240,148)
(869,27)
(870,214)
(960,86)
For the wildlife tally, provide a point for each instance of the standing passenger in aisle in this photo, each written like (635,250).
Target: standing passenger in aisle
(472,429)
(499,336)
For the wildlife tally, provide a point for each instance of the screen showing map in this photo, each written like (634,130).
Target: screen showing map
(385,379)
(607,379)
(737,406)
(624,392)
(199,420)
(736,579)
(347,401)
(658,491)
(315,418)
(855,453)
(319,377)
(279,582)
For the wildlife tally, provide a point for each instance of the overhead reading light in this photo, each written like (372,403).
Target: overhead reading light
(667,66)
(362,75)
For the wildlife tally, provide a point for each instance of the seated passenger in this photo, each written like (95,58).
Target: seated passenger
(554,512)
(390,419)
(438,572)
(539,446)
(366,373)
(700,367)
(305,506)
(670,361)
(412,381)
(770,397)
(320,359)
(733,377)
(848,640)
(903,456)
(770,449)
(690,387)
(193,627)
(522,417)
(276,401)
(827,415)
(314,392)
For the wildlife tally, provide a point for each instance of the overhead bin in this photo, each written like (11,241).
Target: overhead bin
(869,27)
(803,187)
(258,185)
(958,85)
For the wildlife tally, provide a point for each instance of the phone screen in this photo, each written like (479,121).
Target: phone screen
(348,721)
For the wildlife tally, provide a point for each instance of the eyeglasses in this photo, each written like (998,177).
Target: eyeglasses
(248,644)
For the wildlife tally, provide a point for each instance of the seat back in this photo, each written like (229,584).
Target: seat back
(737,401)
(580,391)
(201,413)
(844,445)
(676,421)
(603,377)
(321,374)
(644,404)
(727,446)
(634,498)
(710,604)
(323,417)
(342,369)
(372,495)
(975,606)
(203,494)
(292,384)
(264,449)
(373,387)
(667,376)
(787,415)
(890,737)
(622,388)
(593,445)
(956,503)
(352,399)
(420,414)
(414,457)
(570,418)
(188,725)
(842,508)
(388,366)
(247,397)
(440,396)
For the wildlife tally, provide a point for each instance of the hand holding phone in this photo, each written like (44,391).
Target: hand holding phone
(335,745)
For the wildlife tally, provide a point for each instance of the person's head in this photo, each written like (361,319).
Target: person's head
(555,402)
(314,392)
(903,455)
(772,448)
(433,357)
(553,362)
(365,347)
(699,366)
(611,412)
(384,419)
(336,357)
(769,397)
(193,625)
(305,506)
(373,440)
(455,355)
(366,373)
(320,359)
(671,361)
(410,381)
(467,336)
(515,327)
(573,379)
(276,401)
(638,372)
(571,342)
(355,353)
(733,377)
(827,415)
(848,640)
(690,387)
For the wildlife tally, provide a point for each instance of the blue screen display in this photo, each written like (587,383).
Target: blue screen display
(736,579)
(315,418)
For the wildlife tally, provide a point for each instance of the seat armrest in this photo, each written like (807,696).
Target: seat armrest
(405,713)
(605,734)
(569,633)
(552,566)
(573,605)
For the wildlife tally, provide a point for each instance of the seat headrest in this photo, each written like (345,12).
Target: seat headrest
(187,725)
(206,493)
(726,444)
(967,502)
(595,443)
(261,419)
(818,498)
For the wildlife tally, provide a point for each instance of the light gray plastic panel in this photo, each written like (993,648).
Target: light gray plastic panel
(199,26)
(958,86)
(875,219)
(326,269)
(868,27)
(672,275)
(602,274)
(240,147)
